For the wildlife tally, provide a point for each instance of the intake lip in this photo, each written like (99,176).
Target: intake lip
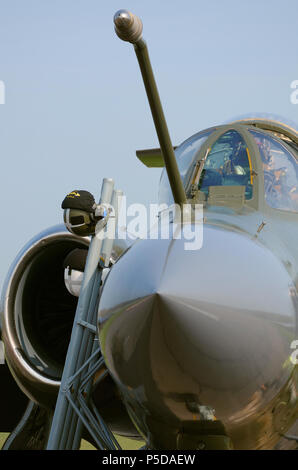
(38,312)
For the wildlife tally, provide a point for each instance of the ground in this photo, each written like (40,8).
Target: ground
(127,444)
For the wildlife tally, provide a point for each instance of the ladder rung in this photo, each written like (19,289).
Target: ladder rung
(87,325)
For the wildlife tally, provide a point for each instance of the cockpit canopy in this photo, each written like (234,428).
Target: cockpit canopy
(224,164)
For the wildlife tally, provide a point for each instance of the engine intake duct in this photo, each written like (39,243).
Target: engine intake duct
(37,318)
(38,313)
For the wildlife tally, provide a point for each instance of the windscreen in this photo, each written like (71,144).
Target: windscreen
(228,164)
(185,156)
(280,173)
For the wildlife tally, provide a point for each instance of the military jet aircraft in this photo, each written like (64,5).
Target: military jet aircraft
(198,344)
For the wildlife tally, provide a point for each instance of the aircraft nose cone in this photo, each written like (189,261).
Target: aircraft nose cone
(190,334)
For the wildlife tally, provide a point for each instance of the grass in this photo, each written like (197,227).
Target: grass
(3,436)
(127,444)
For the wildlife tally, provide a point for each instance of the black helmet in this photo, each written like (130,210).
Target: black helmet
(79,207)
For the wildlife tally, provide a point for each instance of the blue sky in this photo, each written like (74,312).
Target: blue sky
(75,107)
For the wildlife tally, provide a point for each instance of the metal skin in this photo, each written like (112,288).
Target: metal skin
(199,341)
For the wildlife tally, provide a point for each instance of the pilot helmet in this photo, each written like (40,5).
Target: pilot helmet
(78,215)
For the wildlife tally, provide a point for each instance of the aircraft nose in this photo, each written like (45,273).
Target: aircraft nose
(196,332)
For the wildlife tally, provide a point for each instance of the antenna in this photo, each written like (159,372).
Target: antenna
(129,28)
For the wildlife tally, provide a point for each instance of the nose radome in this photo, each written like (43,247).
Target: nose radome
(224,306)
(212,323)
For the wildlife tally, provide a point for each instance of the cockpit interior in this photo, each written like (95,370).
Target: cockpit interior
(222,165)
